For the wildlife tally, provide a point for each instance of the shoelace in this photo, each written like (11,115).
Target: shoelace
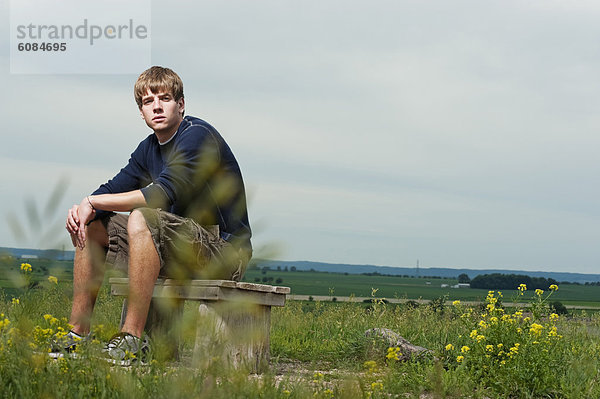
(116,340)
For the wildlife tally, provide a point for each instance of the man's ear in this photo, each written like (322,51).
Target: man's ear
(181,103)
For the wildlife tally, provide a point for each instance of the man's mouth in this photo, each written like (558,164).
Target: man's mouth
(158,118)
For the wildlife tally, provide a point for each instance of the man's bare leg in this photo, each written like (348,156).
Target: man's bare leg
(88,273)
(144,266)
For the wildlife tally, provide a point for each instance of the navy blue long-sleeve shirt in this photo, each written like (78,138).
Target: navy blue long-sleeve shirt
(194,175)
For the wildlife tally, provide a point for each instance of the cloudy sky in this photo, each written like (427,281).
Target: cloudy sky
(460,133)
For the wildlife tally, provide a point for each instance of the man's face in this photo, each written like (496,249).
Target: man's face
(161,112)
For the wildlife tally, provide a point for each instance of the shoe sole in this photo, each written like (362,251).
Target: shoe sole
(124,363)
(61,355)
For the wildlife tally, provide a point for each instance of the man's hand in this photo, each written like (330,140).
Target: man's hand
(77,218)
(80,215)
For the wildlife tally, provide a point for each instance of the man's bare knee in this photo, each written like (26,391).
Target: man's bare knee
(136,225)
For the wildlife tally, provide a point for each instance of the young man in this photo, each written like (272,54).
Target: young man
(188,218)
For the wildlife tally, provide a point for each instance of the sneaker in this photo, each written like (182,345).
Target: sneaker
(125,349)
(66,345)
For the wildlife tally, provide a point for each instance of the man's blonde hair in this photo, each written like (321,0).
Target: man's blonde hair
(158,79)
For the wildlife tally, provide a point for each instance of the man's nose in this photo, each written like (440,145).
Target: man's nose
(157,104)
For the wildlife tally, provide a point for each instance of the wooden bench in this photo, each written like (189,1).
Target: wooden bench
(234,318)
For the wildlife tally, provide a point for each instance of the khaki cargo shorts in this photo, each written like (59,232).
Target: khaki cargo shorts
(186,249)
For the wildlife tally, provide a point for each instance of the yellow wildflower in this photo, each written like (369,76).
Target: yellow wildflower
(465,349)
(473,334)
(459,359)
(376,386)
(15,301)
(519,313)
(370,365)
(52,280)
(449,347)
(553,317)
(489,348)
(393,353)
(25,267)
(480,338)
(456,303)
(553,287)
(539,292)
(535,329)
(4,323)
(522,288)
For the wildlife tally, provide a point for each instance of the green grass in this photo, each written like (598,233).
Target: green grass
(318,350)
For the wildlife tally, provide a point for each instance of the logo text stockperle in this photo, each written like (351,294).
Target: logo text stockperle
(83,31)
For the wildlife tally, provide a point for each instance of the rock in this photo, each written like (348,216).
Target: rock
(383,338)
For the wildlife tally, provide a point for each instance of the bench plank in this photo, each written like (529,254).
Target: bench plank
(210,290)
(209,283)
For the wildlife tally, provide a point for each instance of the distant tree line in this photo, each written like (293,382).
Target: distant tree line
(269,280)
(486,281)
(498,281)
(398,275)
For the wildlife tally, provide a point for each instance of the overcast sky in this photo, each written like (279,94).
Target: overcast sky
(460,133)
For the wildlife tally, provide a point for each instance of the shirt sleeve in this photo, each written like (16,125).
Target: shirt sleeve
(132,176)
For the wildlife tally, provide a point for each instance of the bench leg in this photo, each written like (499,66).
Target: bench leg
(234,333)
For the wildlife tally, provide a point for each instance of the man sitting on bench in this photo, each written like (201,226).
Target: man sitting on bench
(188,219)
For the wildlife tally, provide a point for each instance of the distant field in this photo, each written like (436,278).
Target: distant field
(329,284)
(319,283)
(10,273)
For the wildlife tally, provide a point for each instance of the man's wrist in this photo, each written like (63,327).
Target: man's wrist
(90,203)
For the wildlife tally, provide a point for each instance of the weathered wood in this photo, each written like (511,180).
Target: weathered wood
(210,290)
(234,318)
(235,336)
